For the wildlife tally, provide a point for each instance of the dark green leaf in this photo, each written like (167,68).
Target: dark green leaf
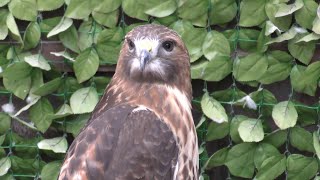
(301,167)
(32,35)
(234,126)
(301,139)
(51,170)
(5,122)
(252,13)
(88,59)
(41,114)
(217,159)
(271,168)
(303,51)
(24,9)
(48,87)
(217,131)
(69,38)
(263,152)
(276,138)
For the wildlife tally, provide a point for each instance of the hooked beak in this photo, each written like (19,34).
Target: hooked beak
(145,57)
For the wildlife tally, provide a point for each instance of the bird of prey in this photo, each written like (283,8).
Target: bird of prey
(142,128)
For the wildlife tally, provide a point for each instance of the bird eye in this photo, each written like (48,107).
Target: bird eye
(131,44)
(168,45)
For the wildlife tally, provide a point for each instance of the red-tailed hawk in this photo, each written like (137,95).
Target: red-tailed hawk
(142,128)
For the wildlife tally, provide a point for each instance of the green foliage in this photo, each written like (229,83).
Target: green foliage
(227,40)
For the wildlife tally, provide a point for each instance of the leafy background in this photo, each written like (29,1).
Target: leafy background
(255,71)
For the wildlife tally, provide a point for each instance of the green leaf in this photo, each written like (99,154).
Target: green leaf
(217,159)
(107,6)
(262,40)
(75,125)
(283,23)
(41,114)
(25,166)
(32,99)
(46,25)
(193,10)
(240,160)
(134,9)
(4,2)
(217,131)
(301,167)
(57,145)
(69,38)
(49,5)
(13,28)
(107,19)
(213,109)
(316,143)
(286,9)
(284,114)
(234,126)
(301,139)
(64,110)
(3,25)
(271,168)
(2,138)
(84,100)
(24,9)
(247,39)
(108,52)
(251,130)
(32,35)
(5,164)
(5,122)
(252,13)
(37,60)
(290,34)
(222,11)
(316,25)
(63,25)
(88,59)
(305,79)
(309,37)
(214,70)
(48,87)
(263,152)
(163,9)
(303,51)
(306,116)
(19,88)
(305,16)
(80,9)
(17,70)
(277,138)
(216,44)
(250,68)
(51,170)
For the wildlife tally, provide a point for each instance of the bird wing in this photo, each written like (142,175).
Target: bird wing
(122,144)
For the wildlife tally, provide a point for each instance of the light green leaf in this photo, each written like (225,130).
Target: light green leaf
(283,23)
(222,11)
(290,34)
(46,25)
(216,69)
(301,167)
(37,60)
(250,68)
(108,53)
(24,9)
(163,9)
(51,171)
(134,9)
(215,44)
(89,59)
(13,28)
(303,51)
(252,13)
(107,6)
(57,145)
(80,9)
(234,126)
(64,110)
(84,100)
(63,25)
(194,10)
(217,131)
(240,160)
(17,70)
(309,37)
(316,25)
(4,2)
(263,152)
(251,130)
(213,109)
(5,164)
(316,143)
(5,122)
(48,87)
(3,25)
(271,168)
(277,138)
(19,87)
(286,9)
(305,16)
(284,114)
(49,5)
(32,35)
(41,113)
(197,69)
(217,159)
(69,38)
(107,19)
(301,139)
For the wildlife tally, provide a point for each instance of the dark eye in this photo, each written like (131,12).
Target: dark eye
(131,44)
(168,45)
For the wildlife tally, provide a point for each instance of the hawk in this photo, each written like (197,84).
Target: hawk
(142,128)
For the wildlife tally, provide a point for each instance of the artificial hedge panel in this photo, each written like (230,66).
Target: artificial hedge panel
(249,44)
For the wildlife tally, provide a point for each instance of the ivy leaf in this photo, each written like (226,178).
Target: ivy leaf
(222,11)
(41,114)
(301,139)
(284,114)
(48,87)
(250,68)
(252,13)
(240,160)
(24,9)
(89,59)
(134,9)
(57,145)
(5,164)
(107,19)
(3,26)
(316,143)
(301,167)
(69,38)
(84,100)
(272,167)
(217,131)
(49,5)
(51,170)
(13,28)
(213,109)
(32,35)
(276,138)
(303,51)
(304,79)
(216,44)
(286,9)
(263,152)
(37,60)
(63,25)
(5,122)
(163,9)
(234,126)
(251,130)
(306,14)
(217,159)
